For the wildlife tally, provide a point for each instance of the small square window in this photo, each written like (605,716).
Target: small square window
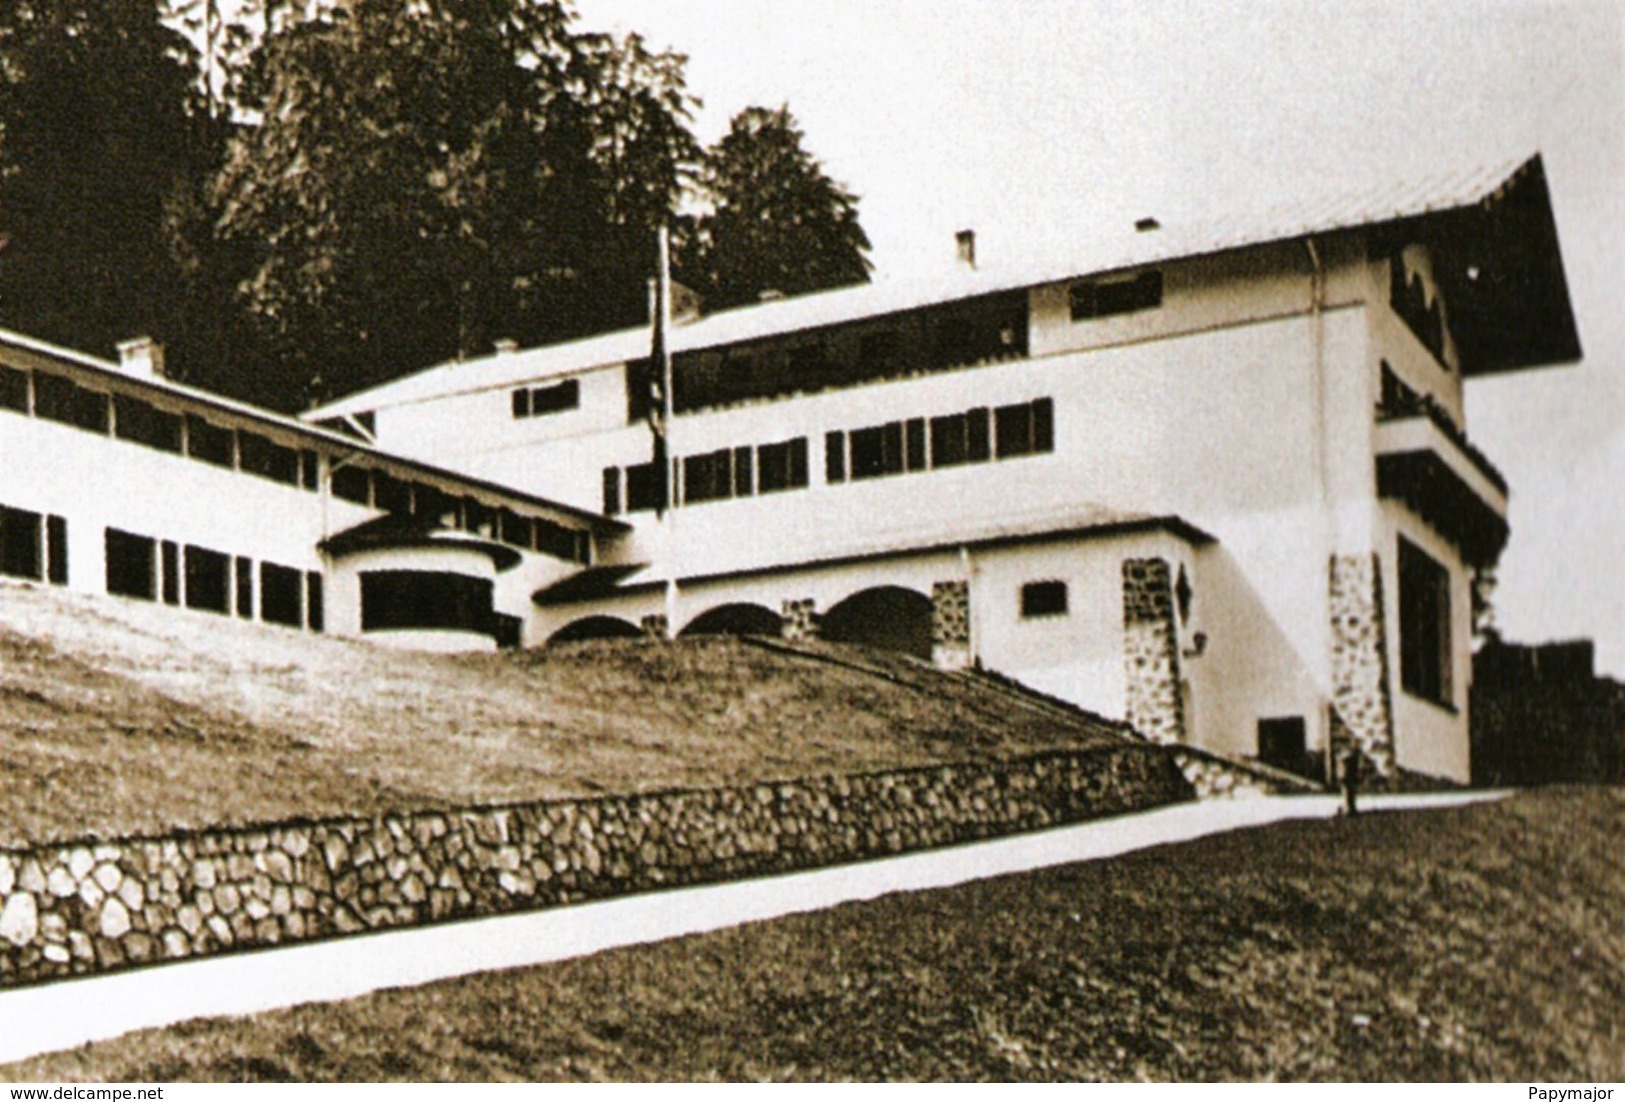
(1043,599)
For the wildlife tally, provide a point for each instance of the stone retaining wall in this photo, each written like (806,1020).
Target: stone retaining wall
(93,906)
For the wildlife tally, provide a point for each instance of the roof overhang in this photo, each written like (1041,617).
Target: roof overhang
(1499,267)
(390,533)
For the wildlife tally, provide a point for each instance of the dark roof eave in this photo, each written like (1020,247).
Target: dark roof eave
(558,595)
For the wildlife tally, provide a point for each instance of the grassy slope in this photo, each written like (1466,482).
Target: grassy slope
(1479,943)
(119,717)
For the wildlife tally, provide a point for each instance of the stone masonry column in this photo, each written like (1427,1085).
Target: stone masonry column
(800,620)
(1362,704)
(1151,651)
(654,626)
(950,625)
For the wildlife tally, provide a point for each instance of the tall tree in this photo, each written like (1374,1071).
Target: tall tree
(432,174)
(776,222)
(101,127)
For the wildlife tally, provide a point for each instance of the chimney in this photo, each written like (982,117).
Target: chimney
(505,346)
(965,245)
(142,357)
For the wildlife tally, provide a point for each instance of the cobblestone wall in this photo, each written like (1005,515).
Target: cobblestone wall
(78,908)
(1151,651)
(950,624)
(1362,707)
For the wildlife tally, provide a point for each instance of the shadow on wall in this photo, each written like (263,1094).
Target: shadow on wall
(1253,681)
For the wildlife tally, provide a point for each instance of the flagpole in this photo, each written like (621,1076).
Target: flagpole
(662,341)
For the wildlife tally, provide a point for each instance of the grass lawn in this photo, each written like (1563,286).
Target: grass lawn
(1477,943)
(121,717)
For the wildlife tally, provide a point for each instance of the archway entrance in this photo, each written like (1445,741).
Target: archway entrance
(735,619)
(887,617)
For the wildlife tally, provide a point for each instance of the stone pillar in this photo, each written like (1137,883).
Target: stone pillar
(950,625)
(1154,705)
(800,620)
(1362,703)
(654,626)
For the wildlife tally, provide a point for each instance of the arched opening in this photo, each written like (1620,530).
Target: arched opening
(594,627)
(735,619)
(887,617)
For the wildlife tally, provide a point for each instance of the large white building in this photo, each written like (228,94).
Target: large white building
(1215,483)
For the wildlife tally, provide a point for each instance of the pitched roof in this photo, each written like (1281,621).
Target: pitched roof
(1498,213)
(27,352)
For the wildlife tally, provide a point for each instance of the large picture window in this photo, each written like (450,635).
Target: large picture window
(1424,625)
(393,600)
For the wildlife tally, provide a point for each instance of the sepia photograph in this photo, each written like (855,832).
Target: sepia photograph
(661,541)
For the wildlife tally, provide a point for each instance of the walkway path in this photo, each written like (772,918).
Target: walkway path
(69,1013)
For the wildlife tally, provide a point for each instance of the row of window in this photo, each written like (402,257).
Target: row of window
(58,398)
(381,490)
(712,476)
(150,569)
(898,447)
(918,444)
(61,399)
(539,401)
(33,546)
(939,338)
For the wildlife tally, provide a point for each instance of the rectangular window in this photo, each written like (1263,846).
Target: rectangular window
(352,484)
(521,403)
(512,528)
(310,470)
(60,399)
(20,552)
(645,488)
(479,518)
(948,441)
(1424,625)
(1043,599)
(744,475)
(242,571)
(210,443)
(834,457)
(207,587)
(978,448)
(556,398)
(391,494)
(914,444)
(708,477)
(558,541)
(315,617)
(433,504)
(141,423)
(612,491)
(1282,743)
(1025,429)
(279,595)
(268,459)
(132,563)
(781,466)
(877,451)
(1101,298)
(13,389)
(56,550)
(169,563)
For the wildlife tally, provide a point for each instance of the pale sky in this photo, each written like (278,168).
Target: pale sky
(1034,120)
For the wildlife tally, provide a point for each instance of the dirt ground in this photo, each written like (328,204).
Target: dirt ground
(120,717)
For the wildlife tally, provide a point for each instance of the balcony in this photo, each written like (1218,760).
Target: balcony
(1425,461)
